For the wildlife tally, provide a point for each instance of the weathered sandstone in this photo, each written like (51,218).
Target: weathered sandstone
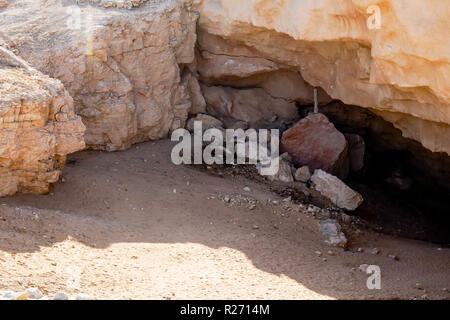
(400,71)
(122,67)
(254,106)
(138,69)
(38,128)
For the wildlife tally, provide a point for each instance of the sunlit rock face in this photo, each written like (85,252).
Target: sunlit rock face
(122,67)
(38,128)
(401,71)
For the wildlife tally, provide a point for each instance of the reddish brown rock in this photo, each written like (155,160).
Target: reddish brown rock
(316,143)
(3,3)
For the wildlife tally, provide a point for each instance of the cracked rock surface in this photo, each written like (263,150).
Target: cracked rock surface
(400,71)
(38,128)
(122,67)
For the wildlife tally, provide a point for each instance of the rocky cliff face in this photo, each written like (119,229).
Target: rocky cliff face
(38,128)
(399,71)
(126,71)
(138,69)
(122,67)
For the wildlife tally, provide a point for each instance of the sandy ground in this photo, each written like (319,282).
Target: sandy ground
(132,225)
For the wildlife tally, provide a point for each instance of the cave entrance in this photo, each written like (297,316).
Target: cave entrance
(406,187)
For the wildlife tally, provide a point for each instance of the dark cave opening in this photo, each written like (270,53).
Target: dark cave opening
(406,188)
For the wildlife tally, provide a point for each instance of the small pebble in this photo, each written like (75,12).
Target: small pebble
(393,257)
(363,267)
(418,286)
(247,189)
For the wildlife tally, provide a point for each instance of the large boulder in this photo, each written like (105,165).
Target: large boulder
(336,191)
(38,128)
(316,143)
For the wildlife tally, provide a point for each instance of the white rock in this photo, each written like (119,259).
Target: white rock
(332,230)
(363,267)
(34,293)
(60,296)
(10,295)
(82,296)
(337,191)
(375,251)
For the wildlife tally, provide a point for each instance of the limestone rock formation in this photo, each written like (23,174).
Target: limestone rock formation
(315,142)
(122,67)
(137,69)
(254,106)
(400,70)
(231,63)
(38,128)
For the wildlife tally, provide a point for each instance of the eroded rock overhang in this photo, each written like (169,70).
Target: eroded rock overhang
(399,71)
(133,73)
